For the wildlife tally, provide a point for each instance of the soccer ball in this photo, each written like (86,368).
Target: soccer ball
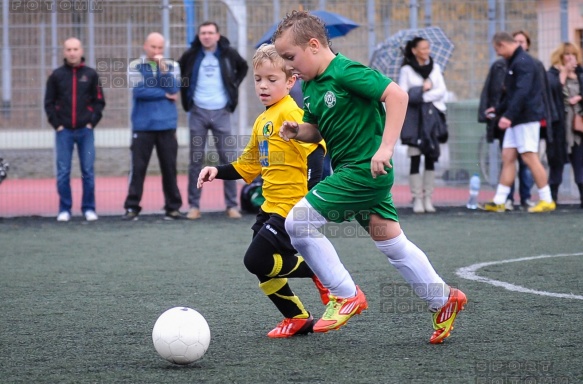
(181,335)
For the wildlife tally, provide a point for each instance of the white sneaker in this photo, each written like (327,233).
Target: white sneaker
(64,216)
(509,205)
(90,215)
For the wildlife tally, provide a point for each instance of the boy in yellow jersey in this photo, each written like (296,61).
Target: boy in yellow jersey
(288,170)
(343,103)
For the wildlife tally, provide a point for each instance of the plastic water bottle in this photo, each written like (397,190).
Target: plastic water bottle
(474,191)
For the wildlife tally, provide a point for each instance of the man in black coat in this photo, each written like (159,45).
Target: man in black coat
(212,71)
(491,96)
(73,104)
(521,111)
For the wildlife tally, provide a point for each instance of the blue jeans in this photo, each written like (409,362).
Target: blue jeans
(65,141)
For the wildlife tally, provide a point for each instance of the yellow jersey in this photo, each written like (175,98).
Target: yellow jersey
(283,165)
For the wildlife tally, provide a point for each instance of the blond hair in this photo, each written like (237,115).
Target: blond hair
(267,53)
(565,49)
(304,27)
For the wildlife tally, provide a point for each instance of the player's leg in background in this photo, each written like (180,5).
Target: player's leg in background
(167,151)
(86,149)
(526,183)
(197,123)
(576,158)
(527,138)
(64,144)
(416,184)
(428,184)
(141,152)
(226,145)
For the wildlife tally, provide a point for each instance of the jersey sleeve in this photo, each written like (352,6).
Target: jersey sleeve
(363,81)
(248,165)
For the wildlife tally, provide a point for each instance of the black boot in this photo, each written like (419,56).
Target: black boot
(555,191)
(580,186)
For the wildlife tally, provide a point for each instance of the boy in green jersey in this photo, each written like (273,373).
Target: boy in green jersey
(343,103)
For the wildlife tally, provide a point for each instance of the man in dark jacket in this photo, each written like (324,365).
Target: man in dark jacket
(73,104)
(521,110)
(491,96)
(213,71)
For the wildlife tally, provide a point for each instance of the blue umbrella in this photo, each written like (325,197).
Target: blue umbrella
(336,25)
(388,56)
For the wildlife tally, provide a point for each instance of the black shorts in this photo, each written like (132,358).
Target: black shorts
(271,226)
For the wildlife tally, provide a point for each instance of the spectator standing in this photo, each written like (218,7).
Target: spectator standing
(74,104)
(566,84)
(154,82)
(423,80)
(526,180)
(490,97)
(214,71)
(521,111)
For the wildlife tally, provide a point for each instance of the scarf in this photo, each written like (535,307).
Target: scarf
(422,70)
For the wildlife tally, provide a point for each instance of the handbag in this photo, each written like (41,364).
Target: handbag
(442,133)
(578,123)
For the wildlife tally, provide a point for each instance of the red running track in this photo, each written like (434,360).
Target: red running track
(38,197)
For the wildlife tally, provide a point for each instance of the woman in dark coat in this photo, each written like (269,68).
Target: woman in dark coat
(566,82)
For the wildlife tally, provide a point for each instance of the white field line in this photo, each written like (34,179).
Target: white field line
(469,273)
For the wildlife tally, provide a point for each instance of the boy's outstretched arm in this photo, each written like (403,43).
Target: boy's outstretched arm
(395,99)
(306,132)
(224,172)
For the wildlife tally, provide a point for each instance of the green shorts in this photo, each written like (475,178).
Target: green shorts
(351,193)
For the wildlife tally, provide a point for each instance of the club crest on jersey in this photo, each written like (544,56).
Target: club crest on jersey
(268,129)
(330,99)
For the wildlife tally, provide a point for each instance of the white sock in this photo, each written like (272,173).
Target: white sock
(501,194)
(544,194)
(302,225)
(416,269)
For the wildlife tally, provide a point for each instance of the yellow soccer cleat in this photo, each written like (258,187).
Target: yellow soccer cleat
(444,318)
(493,207)
(339,310)
(543,206)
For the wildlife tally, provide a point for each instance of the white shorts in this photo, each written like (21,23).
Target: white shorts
(523,137)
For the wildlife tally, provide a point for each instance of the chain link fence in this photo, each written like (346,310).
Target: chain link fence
(113,33)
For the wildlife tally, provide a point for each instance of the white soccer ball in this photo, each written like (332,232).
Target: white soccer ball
(181,335)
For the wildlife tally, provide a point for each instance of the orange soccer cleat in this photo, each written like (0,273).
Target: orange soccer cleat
(443,319)
(339,310)
(292,327)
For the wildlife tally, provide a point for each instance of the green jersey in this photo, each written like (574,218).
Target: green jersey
(344,103)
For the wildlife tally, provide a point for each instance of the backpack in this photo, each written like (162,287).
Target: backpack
(252,196)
